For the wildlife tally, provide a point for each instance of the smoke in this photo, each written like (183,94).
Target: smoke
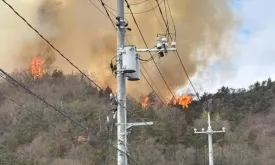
(88,39)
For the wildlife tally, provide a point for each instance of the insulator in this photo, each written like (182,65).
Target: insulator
(159,45)
(173,44)
(164,39)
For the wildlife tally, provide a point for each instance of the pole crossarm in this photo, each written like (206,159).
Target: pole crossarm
(156,50)
(129,125)
(206,132)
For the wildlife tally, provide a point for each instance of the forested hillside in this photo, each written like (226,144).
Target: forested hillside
(33,133)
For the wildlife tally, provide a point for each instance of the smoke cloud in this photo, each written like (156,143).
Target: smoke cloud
(88,39)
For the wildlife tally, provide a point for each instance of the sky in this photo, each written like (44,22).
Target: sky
(255,60)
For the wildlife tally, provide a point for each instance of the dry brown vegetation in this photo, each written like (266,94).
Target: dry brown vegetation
(26,139)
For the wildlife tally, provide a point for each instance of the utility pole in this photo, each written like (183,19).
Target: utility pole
(121,88)
(128,66)
(209,132)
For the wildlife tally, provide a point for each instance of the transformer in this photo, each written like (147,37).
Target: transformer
(136,75)
(129,59)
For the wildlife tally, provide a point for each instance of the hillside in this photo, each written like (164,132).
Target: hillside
(46,137)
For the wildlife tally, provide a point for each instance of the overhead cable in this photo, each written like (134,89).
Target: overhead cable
(51,45)
(142,65)
(138,3)
(166,23)
(186,73)
(172,18)
(128,6)
(33,113)
(103,4)
(56,109)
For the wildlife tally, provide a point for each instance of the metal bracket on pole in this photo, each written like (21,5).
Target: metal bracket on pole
(156,50)
(130,125)
(162,47)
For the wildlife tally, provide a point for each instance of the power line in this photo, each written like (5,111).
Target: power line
(154,90)
(56,109)
(174,25)
(157,16)
(151,86)
(103,4)
(51,45)
(196,93)
(21,105)
(30,92)
(152,57)
(128,6)
(71,62)
(32,112)
(42,100)
(186,73)
(166,23)
(98,8)
(149,59)
(139,2)
(165,11)
(151,81)
(59,54)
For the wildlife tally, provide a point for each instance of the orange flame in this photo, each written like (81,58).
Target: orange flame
(145,103)
(184,100)
(37,67)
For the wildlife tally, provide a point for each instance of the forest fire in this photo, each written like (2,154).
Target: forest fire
(37,67)
(184,100)
(145,103)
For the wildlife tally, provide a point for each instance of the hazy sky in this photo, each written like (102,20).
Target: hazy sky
(255,59)
(255,48)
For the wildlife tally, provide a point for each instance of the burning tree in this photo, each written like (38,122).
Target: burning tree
(145,103)
(150,99)
(37,67)
(182,100)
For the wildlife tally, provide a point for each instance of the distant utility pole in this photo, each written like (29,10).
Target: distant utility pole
(209,132)
(128,66)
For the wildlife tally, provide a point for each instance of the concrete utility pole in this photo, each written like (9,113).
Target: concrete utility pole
(128,66)
(122,125)
(209,132)
(121,88)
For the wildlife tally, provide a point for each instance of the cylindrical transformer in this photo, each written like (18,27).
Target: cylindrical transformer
(136,75)
(129,59)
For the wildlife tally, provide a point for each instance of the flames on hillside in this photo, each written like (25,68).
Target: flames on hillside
(179,100)
(145,103)
(37,67)
(182,100)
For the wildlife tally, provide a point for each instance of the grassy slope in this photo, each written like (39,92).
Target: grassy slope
(51,139)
